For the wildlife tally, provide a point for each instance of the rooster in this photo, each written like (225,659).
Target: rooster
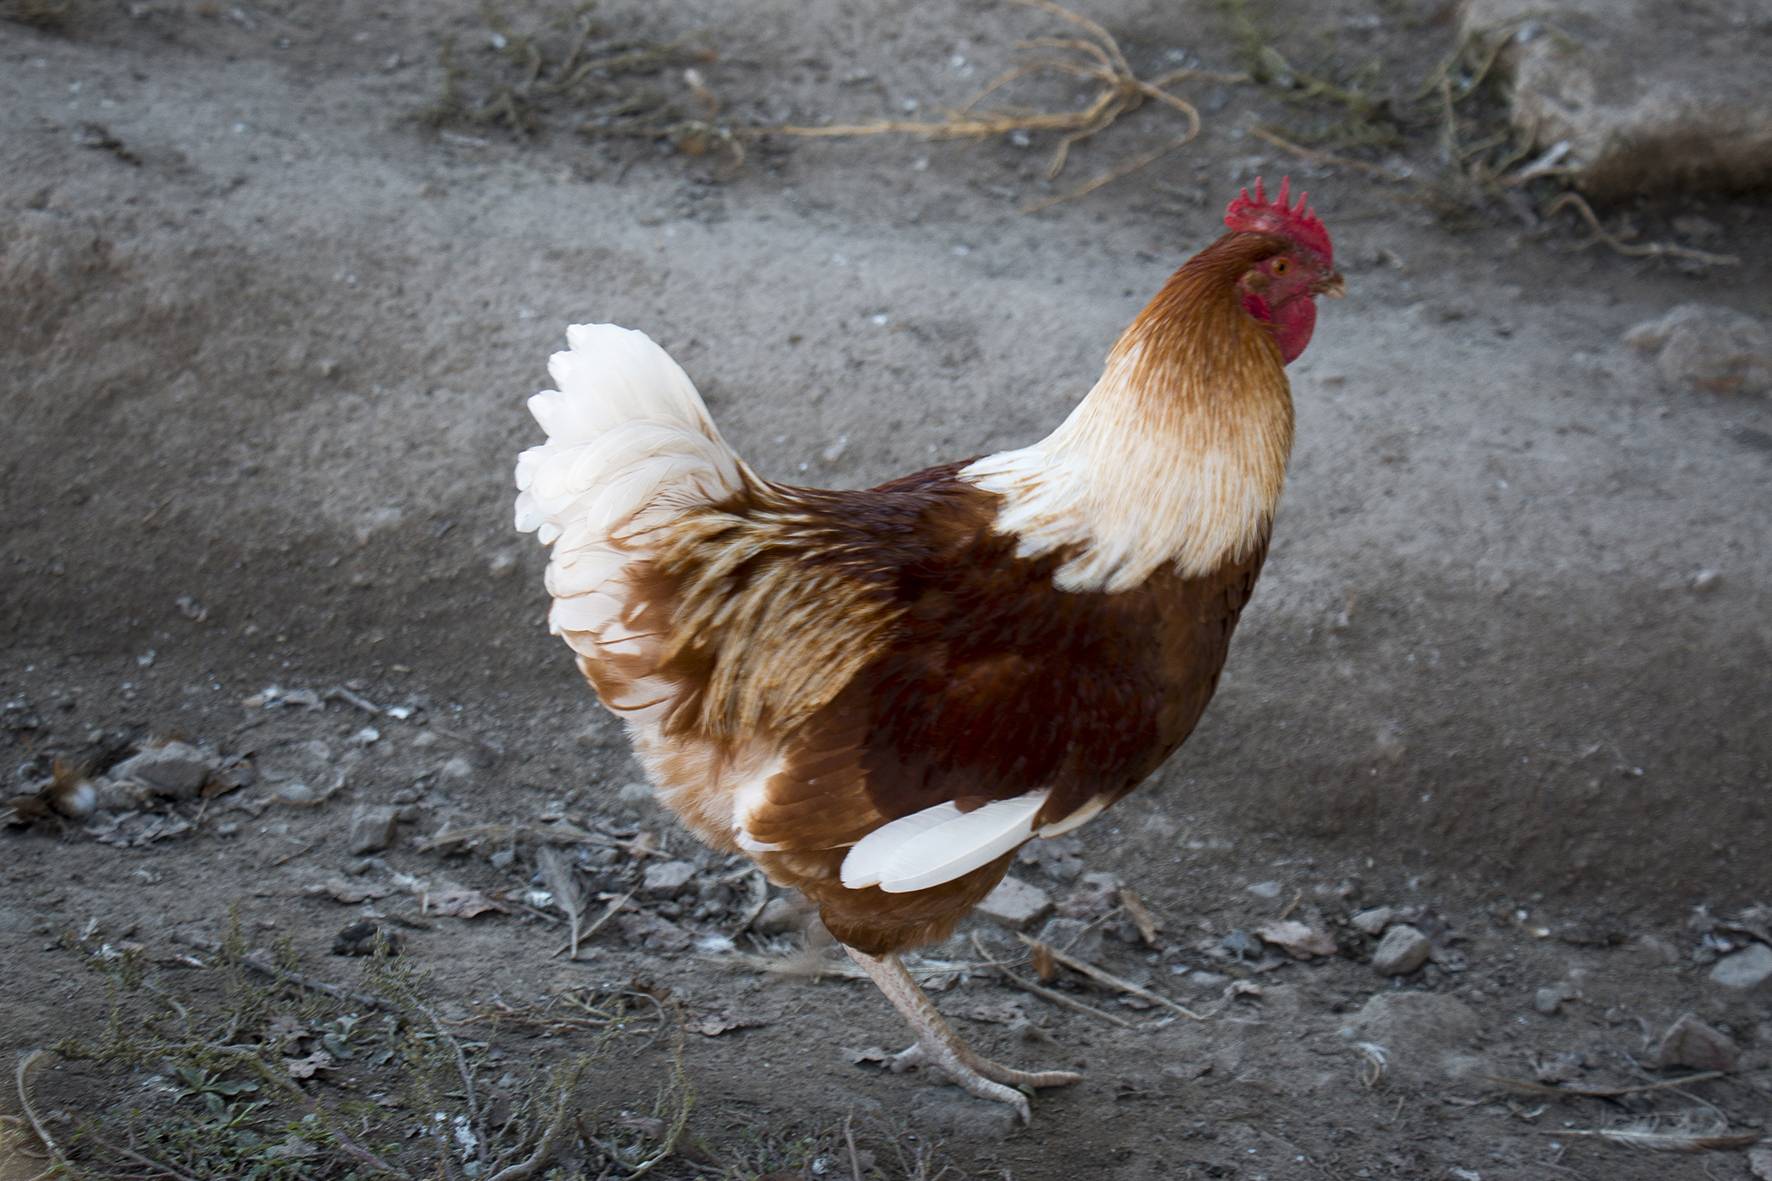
(880,695)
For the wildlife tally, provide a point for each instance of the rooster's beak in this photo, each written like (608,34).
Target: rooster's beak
(1333,287)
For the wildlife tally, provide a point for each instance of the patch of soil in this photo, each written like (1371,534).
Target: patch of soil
(267,339)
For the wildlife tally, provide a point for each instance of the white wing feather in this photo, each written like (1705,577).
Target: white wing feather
(939,844)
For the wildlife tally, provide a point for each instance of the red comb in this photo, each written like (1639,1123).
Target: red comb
(1260,216)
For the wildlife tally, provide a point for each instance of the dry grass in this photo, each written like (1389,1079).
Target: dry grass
(257,1070)
(260,1069)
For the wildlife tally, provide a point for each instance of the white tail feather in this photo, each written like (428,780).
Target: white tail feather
(939,844)
(630,445)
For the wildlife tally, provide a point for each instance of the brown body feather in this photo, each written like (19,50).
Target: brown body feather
(826,662)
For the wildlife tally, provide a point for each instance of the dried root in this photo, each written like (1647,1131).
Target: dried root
(1094,56)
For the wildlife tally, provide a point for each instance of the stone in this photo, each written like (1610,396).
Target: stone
(1374,920)
(1268,889)
(1422,1038)
(666,879)
(950,1113)
(1402,950)
(1690,1042)
(779,916)
(456,770)
(177,769)
(1073,937)
(1637,96)
(295,792)
(374,827)
(1705,348)
(1547,1001)
(1748,968)
(1300,940)
(1016,904)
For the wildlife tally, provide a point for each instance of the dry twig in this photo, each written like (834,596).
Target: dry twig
(1052,994)
(1647,1136)
(1576,202)
(1095,57)
(22,1078)
(1102,977)
(1532,1088)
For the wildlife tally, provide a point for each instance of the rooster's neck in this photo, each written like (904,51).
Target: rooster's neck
(1176,456)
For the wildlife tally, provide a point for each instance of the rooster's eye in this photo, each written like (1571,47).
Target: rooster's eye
(1281,266)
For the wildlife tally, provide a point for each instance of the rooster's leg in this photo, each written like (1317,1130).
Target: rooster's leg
(939,1045)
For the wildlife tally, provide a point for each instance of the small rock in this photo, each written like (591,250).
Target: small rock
(1690,1042)
(1241,944)
(779,916)
(1073,937)
(1421,1037)
(1748,968)
(1708,348)
(1265,889)
(1548,1001)
(373,828)
(666,879)
(1015,903)
(1300,940)
(951,1113)
(1704,581)
(176,769)
(1759,1163)
(456,770)
(502,563)
(361,938)
(1094,896)
(1402,950)
(1374,920)
(634,793)
(295,792)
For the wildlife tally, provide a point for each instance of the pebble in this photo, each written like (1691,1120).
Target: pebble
(1690,1042)
(1422,1036)
(1373,921)
(666,879)
(634,793)
(779,916)
(951,1113)
(176,769)
(295,792)
(373,828)
(1744,969)
(1265,889)
(1016,904)
(1074,937)
(363,938)
(1402,950)
(1707,348)
(1548,1001)
(456,770)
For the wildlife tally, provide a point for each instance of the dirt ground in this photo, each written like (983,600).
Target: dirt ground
(265,337)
